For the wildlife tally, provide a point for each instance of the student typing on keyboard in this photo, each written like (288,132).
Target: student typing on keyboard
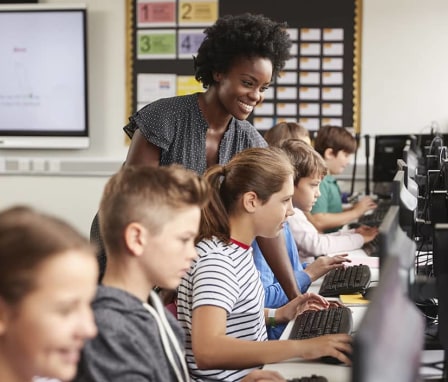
(335,144)
(311,168)
(221,298)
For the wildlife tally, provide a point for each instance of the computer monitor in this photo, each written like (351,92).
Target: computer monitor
(394,242)
(409,181)
(440,266)
(389,341)
(43,76)
(406,201)
(388,148)
(410,156)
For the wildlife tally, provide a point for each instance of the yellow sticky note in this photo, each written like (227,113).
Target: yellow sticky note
(353,299)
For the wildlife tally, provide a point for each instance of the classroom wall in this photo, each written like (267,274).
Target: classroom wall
(404,83)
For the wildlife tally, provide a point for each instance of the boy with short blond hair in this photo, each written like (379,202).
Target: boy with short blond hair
(149,219)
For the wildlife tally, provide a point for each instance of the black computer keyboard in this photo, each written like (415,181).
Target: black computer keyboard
(351,279)
(376,217)
(314,323)
(313,378)
(372,248)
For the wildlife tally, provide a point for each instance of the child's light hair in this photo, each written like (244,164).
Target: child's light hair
(148,195)
(286,130)
(307,162)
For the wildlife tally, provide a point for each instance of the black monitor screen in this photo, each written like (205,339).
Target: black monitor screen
(388,148)
(387,347)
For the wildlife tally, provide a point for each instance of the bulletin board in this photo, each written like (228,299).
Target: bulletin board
(319,85)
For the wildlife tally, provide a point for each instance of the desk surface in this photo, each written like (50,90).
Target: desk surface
(340,373)
(297,367)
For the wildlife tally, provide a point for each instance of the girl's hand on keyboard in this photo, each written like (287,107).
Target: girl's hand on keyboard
(263,376)
(324,264)
(332,345)
(302,303)
(368,233)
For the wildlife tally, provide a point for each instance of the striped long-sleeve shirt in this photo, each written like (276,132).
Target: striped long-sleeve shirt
(224,275)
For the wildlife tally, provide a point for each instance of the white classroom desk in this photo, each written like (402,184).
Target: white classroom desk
(296,367)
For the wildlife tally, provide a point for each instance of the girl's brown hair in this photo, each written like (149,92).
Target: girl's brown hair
(27,239)
(261,170)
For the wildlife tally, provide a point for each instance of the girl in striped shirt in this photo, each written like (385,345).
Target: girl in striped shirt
(221,299)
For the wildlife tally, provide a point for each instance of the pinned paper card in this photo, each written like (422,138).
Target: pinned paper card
(293,33)
(308,49)
(332,121)
(263,123)
(309,109)
(264,108)
(332,94)
(286,93)
(293,51)
(291,64)
(309,63)
(286,109)
(307,93)
(311,124)
(309,78)
(333,49)
(332,63)
(332,78)
(188,42)
(310,34)
(333,34)
(333,109)
(287,78)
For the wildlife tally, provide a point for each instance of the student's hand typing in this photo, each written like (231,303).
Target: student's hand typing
(332,345)
(306,301)
(263,376)
(368,233)
(364,205)
(323,264)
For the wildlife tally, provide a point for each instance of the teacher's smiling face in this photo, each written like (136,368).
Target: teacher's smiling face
(242,87)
